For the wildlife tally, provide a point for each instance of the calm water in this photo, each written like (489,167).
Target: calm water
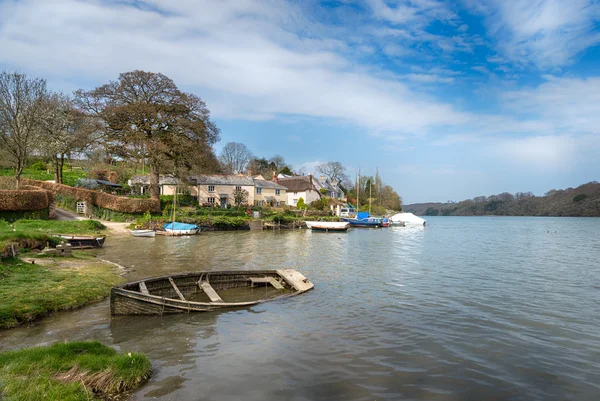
(464,309)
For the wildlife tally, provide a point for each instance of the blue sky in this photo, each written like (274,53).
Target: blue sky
(449,99)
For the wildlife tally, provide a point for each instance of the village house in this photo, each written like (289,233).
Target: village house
(269,193)
(167,185)
(304,187)
(331,188)
(219,189)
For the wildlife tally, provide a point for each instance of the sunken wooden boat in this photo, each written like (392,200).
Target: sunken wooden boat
(82,241)
(205,291)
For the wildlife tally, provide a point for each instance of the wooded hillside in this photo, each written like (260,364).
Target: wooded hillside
(583,201)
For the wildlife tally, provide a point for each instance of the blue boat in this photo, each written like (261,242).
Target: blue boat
(176,228)
(363,219)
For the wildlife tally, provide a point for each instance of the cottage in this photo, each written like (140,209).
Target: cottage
(304,187)
(269,193)
(220,189)
(168,185)
(330,187)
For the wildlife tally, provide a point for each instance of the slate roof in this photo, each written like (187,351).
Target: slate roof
(222,179)
(299,183)
(145,180)
(268,184)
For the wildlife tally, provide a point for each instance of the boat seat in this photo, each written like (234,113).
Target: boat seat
(208,290)
(268,280)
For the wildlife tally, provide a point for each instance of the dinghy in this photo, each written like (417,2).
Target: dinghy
(205,291)
(82,241)
(143,233)
(327,226)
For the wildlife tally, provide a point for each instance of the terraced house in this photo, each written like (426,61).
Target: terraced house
(219,189)
(269,193)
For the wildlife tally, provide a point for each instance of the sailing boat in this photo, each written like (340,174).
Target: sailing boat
(176,229)
(363,219)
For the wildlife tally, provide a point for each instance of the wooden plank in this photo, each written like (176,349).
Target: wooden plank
(295,279)
(177,289)
(143,288)
(269,280)
(212,294)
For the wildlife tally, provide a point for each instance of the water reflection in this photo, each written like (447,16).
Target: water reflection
(463,309)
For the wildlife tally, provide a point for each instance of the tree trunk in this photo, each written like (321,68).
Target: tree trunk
(60,170)
(154,181)
(55,165)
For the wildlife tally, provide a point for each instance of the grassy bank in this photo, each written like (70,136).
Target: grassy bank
(34,234)
(29,291)
(70,372)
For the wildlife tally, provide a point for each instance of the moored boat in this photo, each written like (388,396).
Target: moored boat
(204,291)
(181,229)
(363,220)
(83,241)
(143,233)
(408,219)
(327,226)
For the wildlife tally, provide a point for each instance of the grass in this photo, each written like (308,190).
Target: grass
(29,291)
(70,372)
(69,177)
(29,234)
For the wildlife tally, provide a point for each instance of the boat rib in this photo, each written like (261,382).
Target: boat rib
(177,289)
(143,288)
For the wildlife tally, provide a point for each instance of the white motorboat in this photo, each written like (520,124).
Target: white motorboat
(143,233)
(408,219)
(327,225)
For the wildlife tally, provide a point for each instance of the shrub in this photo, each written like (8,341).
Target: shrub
(301,204)
(39,165)
(579,197)
(226,221)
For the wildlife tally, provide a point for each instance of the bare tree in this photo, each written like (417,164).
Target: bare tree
(235,157)
(334,171)
(62,130)
(148,109)
(20,103)
(240,197)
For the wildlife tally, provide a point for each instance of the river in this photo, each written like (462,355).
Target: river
(467,308)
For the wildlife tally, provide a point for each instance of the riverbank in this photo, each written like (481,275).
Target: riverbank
(70,371)
(34,287)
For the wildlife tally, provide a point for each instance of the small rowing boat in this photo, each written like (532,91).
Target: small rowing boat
(327,226)
(82,241)
(143,233)
(205,291)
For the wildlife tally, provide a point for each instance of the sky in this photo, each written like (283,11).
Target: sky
(447,99)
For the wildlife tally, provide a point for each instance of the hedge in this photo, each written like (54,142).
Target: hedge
(101,199)
(23,200)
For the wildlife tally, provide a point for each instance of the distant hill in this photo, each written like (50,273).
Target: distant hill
(583,201)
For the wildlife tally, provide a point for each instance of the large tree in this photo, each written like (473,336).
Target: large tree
(21,100)
(335,171)
(235,157)
(146,112)
(63,130)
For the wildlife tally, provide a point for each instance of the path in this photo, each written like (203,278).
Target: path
(117,228)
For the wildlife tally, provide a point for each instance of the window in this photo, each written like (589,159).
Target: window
(278,192)
(211,200)
(278,203)
(259,190)
(211,188)
(258,203)
(182,191)
(295,201)
(238,188)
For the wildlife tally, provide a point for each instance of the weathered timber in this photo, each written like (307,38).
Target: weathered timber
(208,290)
(143,288)
(177,290)
(268,280)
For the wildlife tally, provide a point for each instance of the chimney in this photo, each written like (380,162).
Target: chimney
(249,172)
(310,180)
(275,179)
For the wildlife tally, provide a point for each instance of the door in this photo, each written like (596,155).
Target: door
(223,202)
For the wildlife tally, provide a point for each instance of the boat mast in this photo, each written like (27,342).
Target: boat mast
(357,189)
(370,197)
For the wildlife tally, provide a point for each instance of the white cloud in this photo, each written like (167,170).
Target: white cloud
(250,60)
(546,33)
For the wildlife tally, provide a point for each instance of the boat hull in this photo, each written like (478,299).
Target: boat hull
(201,291)
(369,222)
(143,233)
(327,225)
(83,241)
